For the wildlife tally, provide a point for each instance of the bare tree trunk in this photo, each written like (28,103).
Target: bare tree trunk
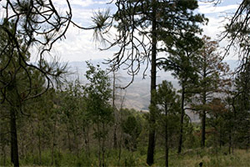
(39,144)
(204,101)
(86,140)
(203,127)
(103,146)
(76,143)
(166,147)
(14,141)
(230,142)
(220,137)
(115,136)
(120,142)
(120,151)
(248,141)
(114,110)
(99,146)
(53,141)
(3,145)
(151,141)
(182,120)
(166,136)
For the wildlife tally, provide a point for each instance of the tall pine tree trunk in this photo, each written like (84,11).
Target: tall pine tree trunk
(166,136)
(151,142)
(39,143)
(203,131)
(103,146)
(86,140)
(53,141)
(14,142)
(182,120)
(230,142)
(114,110)
(203,121)
(204,101)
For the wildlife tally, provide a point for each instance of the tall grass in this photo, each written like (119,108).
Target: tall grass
(210,157)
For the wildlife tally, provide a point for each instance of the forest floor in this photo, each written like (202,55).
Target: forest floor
(209,157)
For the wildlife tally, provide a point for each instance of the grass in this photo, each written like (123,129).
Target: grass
(189,158)
(209,157)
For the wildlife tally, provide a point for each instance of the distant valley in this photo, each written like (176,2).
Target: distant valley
(137,95)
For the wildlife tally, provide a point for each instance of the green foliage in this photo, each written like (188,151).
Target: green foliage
(182,62)
(172,23)
(211,70)
(189,158)
(131,126)
(72,126)
(98,94)
(130,161)
(240,103)
(212,78)
(154,21)
(168,107)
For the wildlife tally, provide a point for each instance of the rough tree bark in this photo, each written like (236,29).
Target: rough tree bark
(182,120)
(166,136)
(14,141)
(151,141)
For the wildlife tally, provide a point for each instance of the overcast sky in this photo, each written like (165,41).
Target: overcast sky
(79,44)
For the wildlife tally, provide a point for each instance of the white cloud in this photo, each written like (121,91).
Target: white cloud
(215,29)
(211,9)
(78,46)
(82,3)
(217,20)
(85,3)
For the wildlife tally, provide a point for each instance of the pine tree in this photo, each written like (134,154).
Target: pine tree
(241,99)
(168,111)
(211,78)
(182,63)
(141,26)
(98,95)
